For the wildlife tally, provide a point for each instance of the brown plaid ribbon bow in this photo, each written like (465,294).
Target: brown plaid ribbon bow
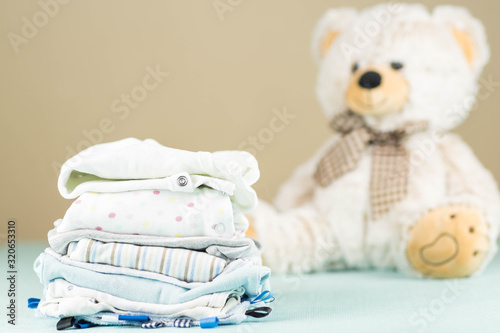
(389,173)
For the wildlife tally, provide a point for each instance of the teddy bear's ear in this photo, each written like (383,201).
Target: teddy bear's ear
(329,27)
(468,32)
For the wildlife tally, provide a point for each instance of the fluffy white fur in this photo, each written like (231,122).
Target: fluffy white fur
(313,228)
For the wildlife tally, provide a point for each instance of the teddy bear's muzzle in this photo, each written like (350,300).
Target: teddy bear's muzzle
(377,90)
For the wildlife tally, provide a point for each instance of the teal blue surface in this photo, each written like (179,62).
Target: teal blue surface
(353,301)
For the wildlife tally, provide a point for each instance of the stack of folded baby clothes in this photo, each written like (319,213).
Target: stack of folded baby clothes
(155,237)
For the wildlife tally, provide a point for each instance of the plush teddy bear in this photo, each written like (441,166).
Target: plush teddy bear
(390,189)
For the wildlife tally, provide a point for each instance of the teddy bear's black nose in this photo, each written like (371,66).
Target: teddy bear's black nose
(370,80)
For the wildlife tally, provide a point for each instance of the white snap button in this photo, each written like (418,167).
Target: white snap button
(182,181)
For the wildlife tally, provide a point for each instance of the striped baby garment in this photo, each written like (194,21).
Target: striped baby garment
(182,264)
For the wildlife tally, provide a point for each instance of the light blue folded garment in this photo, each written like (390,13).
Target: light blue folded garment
(251,278)
(109,269)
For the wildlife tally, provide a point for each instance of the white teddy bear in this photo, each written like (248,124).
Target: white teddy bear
(390,189)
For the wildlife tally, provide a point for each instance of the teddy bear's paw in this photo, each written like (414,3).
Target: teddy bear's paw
(448,242)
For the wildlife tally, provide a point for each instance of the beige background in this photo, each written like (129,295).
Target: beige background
(225,78)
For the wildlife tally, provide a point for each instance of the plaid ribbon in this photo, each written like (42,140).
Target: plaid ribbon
(389,173)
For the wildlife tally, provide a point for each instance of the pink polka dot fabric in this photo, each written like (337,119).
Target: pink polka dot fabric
(205,212)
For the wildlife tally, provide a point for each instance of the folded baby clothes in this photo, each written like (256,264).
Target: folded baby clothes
(132,164)
(64,299)
(147,286)
(204,212)
(234,312)
(40,265)
(229,249)
(155,237)
(186,265)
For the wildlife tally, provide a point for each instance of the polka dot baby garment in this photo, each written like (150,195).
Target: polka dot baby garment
(204,212)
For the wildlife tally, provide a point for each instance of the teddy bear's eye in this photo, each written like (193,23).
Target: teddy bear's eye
(396,65)
(355,67)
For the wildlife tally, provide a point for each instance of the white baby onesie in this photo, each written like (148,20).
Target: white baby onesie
(132,164)
(64,299)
